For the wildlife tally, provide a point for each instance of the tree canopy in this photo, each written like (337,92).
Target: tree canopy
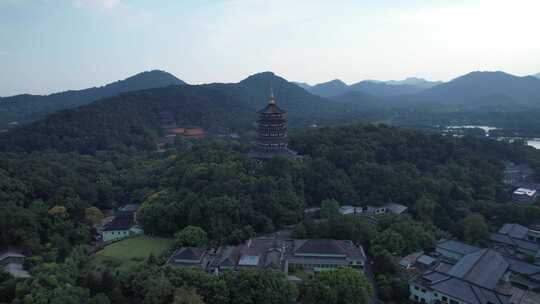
(341,286)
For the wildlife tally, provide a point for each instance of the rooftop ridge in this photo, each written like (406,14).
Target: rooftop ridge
(448,277)
(476,261)
(464,280)
(476,294)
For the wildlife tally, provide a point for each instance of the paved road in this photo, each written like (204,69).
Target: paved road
(371,278)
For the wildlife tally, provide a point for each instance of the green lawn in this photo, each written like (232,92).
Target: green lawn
(130,252)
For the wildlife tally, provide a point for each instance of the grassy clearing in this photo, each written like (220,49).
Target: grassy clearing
(130,252)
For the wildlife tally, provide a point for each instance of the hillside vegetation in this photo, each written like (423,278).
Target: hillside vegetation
(25,108)
(211,184)
(131,120)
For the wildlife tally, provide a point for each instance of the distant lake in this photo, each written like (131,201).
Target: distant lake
(535,143)
(486,129)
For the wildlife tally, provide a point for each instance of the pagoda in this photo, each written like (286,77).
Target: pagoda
(271,133)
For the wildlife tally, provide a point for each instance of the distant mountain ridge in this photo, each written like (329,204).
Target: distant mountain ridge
(478,85)
(24,108)
(537,75)
(303,85)
(382,89)
(131,119)
(378,88)
(414,81)
(330,88)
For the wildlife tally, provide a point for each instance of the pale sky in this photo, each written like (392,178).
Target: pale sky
(54,45)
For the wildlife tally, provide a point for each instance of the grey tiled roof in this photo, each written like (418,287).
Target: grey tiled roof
(317,260)
(522,267)
(118,223)
(226,256)
(435,277)
(484,268)
(426,260)
(330,248)
(527,245)
(501,238)
(269,252)
(525,297)
(514,230)
(130,207)
(189,253)
(456,246)
(189,257)
(463,290)
(323,247)
(519,243)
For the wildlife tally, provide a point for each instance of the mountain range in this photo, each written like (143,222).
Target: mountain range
(328,89)
(132,119)
(414,81)
(471,87)
(25,108)
(537,75)
(389,88)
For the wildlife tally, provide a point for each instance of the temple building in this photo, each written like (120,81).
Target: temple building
(271,133)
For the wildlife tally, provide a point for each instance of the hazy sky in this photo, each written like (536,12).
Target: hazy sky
(54,45)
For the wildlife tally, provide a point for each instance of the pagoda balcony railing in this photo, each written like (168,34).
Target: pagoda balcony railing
(282,136)
(271,142)
(272,147)
(272,130)
(271,123)
(273,115)
(271,127)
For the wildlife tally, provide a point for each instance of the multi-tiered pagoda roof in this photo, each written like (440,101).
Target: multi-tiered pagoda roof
(272,137)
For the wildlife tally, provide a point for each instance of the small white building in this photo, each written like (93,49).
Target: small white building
(13,262)
(524,195)
(347,209)
(373,210)
(417,260)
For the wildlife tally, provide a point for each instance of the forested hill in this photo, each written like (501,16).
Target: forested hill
(303,108)
(478,98)
(477,85)
(25,108)
(131,120)
(128,120)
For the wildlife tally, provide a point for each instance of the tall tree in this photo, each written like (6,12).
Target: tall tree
(474,228)
(94,215)
(191,236)
(260,287)
(341,286)
(184,295)
(329,208)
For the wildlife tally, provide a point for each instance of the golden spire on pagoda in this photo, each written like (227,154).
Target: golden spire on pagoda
(271,101)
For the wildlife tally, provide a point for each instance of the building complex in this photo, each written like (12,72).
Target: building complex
(459,273)
(286,255)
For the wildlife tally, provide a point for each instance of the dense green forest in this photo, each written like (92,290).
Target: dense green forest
(452,187)
(214,185)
